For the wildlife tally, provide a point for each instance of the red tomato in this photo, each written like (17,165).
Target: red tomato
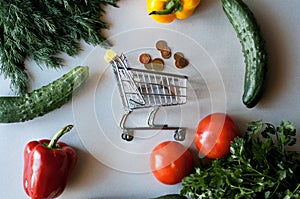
(214,134)
(170,162)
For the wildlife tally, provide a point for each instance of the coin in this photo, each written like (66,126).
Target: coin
(166,54)
(178,55)
(148,66)
(181,63)
(161,45)
(173,90)
(145,58)
(158,64)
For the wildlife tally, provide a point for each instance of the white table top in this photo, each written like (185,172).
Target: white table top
(210,29)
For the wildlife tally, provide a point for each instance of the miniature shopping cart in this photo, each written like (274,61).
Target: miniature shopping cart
(147,89)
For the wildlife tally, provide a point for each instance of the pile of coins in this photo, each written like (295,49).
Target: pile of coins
(164,49)
(149,63)
(180,61)
(157,64)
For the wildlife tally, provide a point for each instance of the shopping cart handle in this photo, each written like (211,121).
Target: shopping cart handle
(110,55)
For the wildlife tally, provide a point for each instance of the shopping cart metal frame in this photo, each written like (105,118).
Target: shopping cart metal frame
(141,88)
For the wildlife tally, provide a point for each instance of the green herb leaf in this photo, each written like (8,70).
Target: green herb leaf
(259,166)
(41,30)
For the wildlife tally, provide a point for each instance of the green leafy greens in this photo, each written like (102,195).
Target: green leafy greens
(259,166)
(41,29)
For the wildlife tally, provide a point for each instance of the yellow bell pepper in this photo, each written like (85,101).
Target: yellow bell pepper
(165,11)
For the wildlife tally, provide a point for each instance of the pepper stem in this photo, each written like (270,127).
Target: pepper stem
(170,7)
(58,135)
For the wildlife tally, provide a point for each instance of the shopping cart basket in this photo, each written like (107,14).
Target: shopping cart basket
(140,88)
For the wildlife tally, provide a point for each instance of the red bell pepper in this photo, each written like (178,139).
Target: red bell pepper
(48,166)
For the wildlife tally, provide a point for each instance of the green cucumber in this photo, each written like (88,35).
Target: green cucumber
(44,99)
(253,46)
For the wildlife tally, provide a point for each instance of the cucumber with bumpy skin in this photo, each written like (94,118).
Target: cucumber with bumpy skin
(43,100)
(254,50)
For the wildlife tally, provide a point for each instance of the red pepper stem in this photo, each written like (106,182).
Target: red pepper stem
(170,7)
(58,135)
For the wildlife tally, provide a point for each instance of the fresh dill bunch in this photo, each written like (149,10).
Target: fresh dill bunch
(42,29)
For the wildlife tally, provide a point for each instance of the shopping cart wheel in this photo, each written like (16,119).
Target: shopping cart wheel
(127,136)
(179,135)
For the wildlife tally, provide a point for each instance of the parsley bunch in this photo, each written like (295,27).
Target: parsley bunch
(259,166)
(42,29)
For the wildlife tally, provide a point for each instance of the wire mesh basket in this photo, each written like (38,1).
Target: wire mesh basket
(140,88)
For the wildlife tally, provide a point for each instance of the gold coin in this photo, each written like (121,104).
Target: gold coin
(158,64)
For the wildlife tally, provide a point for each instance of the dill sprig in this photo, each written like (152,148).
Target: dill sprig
(42,29)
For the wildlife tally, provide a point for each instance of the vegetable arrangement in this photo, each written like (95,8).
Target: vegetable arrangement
(40,30)
(258,166)
(48,166)
(254,50)
(43,100)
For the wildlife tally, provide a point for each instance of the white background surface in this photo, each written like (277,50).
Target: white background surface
(209,27)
